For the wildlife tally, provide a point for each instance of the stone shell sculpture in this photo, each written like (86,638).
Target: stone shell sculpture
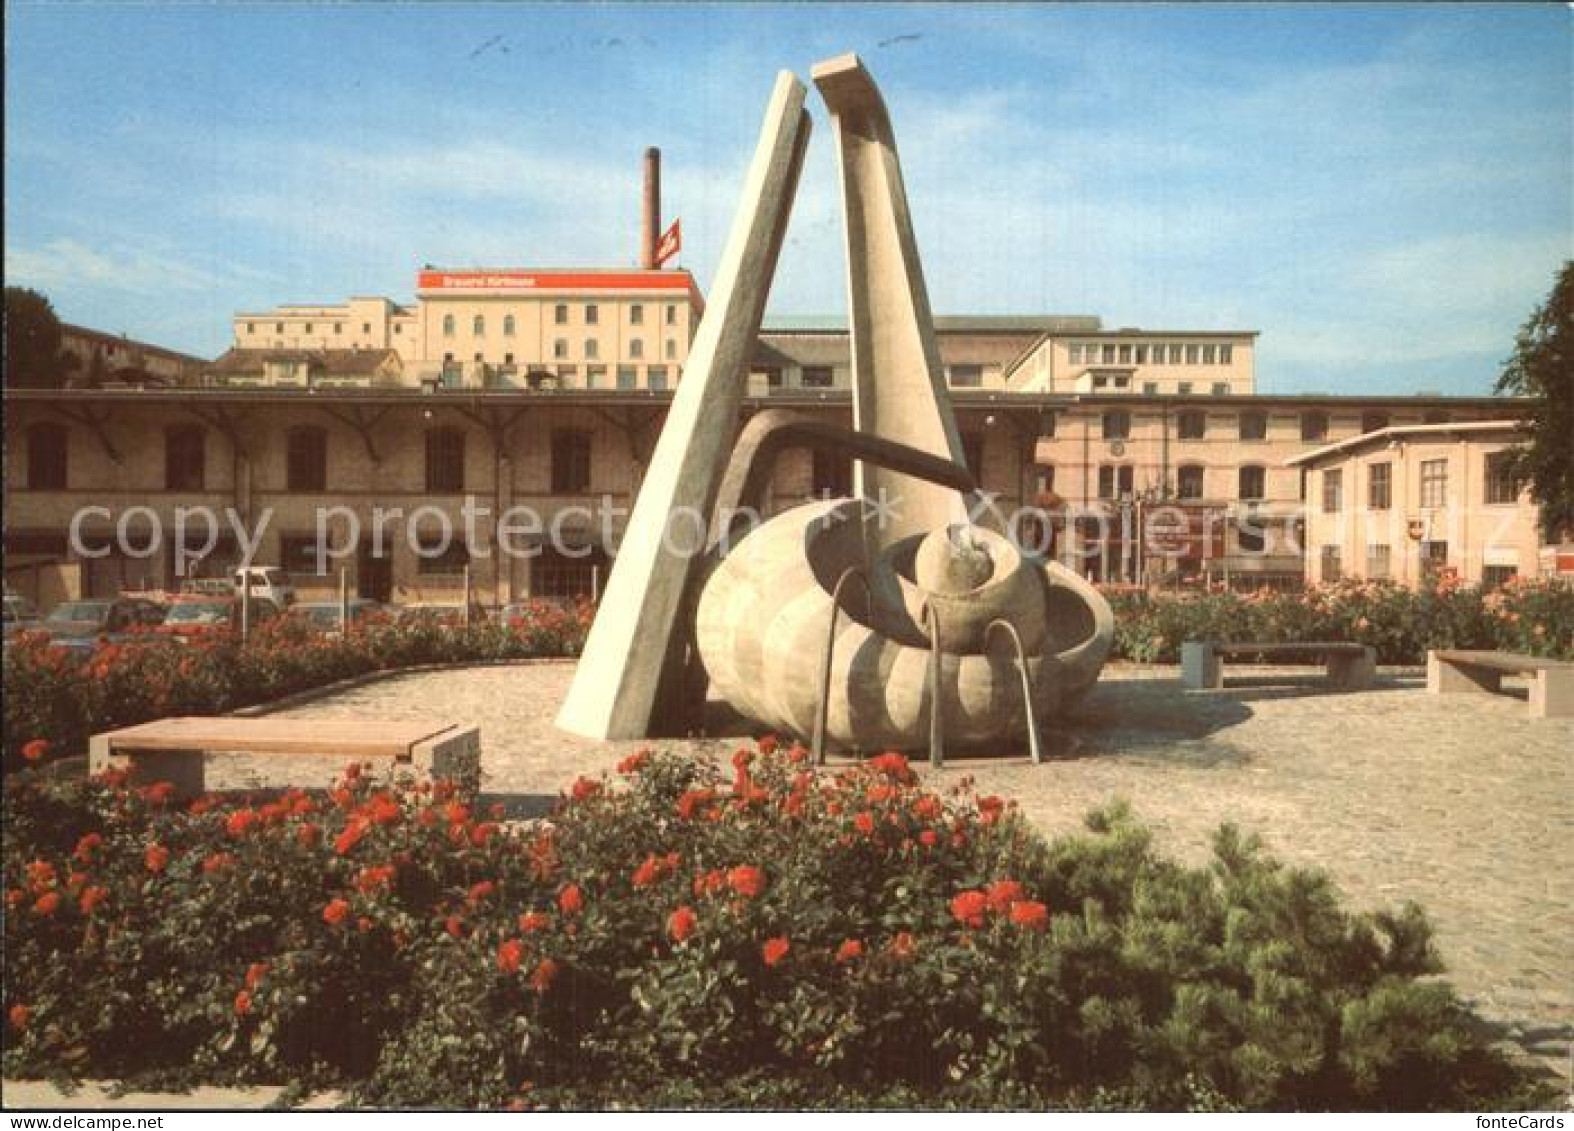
(765,613)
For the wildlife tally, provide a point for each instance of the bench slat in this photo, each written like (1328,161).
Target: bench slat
(1248,649)
(355,737)
(1500,661)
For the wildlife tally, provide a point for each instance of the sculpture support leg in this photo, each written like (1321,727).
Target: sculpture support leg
(630,646)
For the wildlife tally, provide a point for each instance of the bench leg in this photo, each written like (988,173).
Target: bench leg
(1353,673)
(1445,678)
(1552,694)
(183,769)
(1200,668)
(454,755)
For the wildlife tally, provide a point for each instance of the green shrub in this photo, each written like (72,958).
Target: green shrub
(776,938)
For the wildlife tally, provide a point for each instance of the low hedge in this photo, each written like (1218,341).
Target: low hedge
(677,937)
(1528,616)
(61,699)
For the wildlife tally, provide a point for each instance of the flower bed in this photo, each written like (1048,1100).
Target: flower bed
(677,938)
(62,699)
(1528,616)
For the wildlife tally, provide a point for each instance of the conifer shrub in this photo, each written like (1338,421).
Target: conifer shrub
(680,936)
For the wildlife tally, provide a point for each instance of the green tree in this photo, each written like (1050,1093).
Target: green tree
(1543,367)
(32,341)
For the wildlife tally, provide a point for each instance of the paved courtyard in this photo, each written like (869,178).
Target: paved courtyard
(1462,804)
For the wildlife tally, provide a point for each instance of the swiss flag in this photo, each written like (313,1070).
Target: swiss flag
(670,243)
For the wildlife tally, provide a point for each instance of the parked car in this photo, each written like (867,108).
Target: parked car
(196,615)
(85,624)
(445,614)
(20,615)
(267,582)
(324,615)
(209,586)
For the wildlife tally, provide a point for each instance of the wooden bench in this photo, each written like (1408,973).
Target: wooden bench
(1350,666)
(175,750)
(1449,671)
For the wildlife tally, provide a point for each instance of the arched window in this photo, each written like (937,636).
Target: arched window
(1188,481)
(1192,425)
(1117,424)
(448,325)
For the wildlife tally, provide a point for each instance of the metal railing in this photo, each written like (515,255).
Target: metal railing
(853,573)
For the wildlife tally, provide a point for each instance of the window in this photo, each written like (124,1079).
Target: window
(831,471)
(508,325)
(1045,477)
(445,459)
(1188,481)
(1250,532)
(1497,576)
(1115,481)
(1185,388)
(1142,355)
(1434,558)
(1191,355)
(1158,353)
(308,328)
(772,375)
(435,555)
(448,325)
(1125,354)
(1251,481)
(636,348)
(1192,425)
(299,557)
(1226,354)
(184,458)
(817,377)
(595,376)
(627,377)
(672,350)
(570,461)
(1379,561)
(338,327)
(1254,426)
(508,360)
(591,348)
(1221,389)
(478,357)
(560,314)
(366,327)
(560,347)
(1117,424)
(1379,486)
(1314,425)
(656,377)
(672,315)
(1209,353)
(1075,353)
(1150,388)
(306,459)
(973,452)
(637,315)
(967,376)
(1108,353)
(1501,485)
(251,327)
(46,457)
(1100,382)
(1435,416)
(1434,482)
(278,327)
(592,314)
(1373,421)
(1333,490)
(1331,563)
(478,326)
(566,371)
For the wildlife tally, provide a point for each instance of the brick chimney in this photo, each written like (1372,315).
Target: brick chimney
(650,226)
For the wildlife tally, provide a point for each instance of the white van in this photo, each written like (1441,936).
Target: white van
(266,582)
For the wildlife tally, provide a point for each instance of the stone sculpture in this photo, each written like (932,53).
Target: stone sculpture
(882,621)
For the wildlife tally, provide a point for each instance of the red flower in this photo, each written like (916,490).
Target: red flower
(18,1016)
(456,813)
(545,974)
(775,950)
(509,956)
(87,846)
(927,807)
(481,891)
(1003,893)
(159,792)
(893,766)
(308,834)
(990,809)
(928,838)
(35,750)
(864,823)
(156,858)
(681,924)
(653,869)
(570,900)
(254,974)
(1030,914)
(904,945)
(585,788)
(240,822)
(634,763)
(969,907)
(747,880)
(532,921)
(482,833)
(41,875)
(849,950)
(454,926)
(242,1003)
(692,799)
(47,904)
(767,744)
(375,879)
(92,897)
(337,911)
(217,862)
(350,837)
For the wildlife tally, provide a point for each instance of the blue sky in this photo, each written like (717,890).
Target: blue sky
(1384,192)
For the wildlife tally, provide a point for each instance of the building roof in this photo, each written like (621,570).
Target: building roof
(1402,432)
(335,362)
(68,330)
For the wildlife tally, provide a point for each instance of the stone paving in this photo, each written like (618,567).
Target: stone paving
(1463,804)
